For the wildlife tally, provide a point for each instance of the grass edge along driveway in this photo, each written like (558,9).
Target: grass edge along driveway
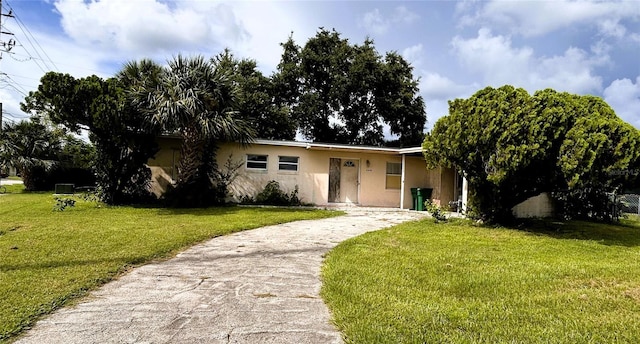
(422,282)
(48,258)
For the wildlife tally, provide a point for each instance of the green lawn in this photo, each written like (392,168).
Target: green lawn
(460,283)
(48,258)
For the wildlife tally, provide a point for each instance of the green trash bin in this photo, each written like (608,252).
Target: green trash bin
(422,194)
(414,198)
(419,200)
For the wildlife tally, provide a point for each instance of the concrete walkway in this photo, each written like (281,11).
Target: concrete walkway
(10,181)
(257,286)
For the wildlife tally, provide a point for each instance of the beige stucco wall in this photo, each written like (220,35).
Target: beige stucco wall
(536,206)
(250,182)
(163,165)
(312,177)
(440,180)
(447,186)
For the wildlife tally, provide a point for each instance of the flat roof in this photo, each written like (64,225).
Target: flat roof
(340,147)
(330,146)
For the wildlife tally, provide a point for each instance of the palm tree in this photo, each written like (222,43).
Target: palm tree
(29,146)
(140,79)
(196,99)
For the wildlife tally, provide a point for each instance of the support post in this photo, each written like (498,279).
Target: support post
(402,189)
(465,194)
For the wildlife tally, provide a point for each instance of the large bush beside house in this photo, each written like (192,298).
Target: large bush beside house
(511,146)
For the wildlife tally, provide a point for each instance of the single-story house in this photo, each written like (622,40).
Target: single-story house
(325,174)
(9,171)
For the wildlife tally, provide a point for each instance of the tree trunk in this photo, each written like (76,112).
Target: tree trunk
(191,161)
(193,186)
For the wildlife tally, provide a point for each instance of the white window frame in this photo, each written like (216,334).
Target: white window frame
(288,163)
(255,161)
(387,174)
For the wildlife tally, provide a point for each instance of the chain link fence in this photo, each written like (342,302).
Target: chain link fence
(630,203)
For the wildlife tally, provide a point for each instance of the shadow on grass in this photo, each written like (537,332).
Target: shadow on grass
(625,233)
(225,210)
(123,262)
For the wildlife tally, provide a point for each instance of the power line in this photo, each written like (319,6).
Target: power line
(45,62)
(16,89)
(7,47)
(15,84)
(21,77)
(25,30)
(63,64)
(12,115)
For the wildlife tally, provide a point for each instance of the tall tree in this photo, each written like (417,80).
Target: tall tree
(357,98)
(196,99)
(255,102)
(398,100)
(339,92)
(287,85)
(122,139)
(511,146)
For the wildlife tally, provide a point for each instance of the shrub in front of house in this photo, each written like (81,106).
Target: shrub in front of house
(272,194)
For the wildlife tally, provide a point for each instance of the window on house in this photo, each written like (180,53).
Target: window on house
(394,173)
(256,162)
(288,163)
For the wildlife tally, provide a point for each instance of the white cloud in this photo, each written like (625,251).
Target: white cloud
(437,90)
(413,54)
(435,86)
(149,27)
(377,23)
(623,95)
(612,28)
(102,35)
(492,56)
(403,15)
(126,30)
(535,18)
(498,63)
(264,37)
(24,68)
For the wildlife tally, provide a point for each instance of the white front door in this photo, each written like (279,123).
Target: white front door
(349,180)
(344,179)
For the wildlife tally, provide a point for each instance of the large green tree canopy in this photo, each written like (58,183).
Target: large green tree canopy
(344,93)
(254,99)
(197,99)
(123,140)
(511,145)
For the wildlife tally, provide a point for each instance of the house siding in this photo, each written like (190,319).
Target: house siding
(539,206)
(312,177)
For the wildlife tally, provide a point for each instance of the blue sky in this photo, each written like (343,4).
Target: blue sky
(456,48)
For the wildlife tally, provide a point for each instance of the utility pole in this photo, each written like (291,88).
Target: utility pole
(5,46)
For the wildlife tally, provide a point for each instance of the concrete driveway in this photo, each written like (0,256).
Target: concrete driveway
(257,286)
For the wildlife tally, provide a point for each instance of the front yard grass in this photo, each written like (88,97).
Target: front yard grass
(48,258)
(461,283)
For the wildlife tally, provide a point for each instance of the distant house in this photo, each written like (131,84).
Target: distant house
(326,174)
(8,171)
